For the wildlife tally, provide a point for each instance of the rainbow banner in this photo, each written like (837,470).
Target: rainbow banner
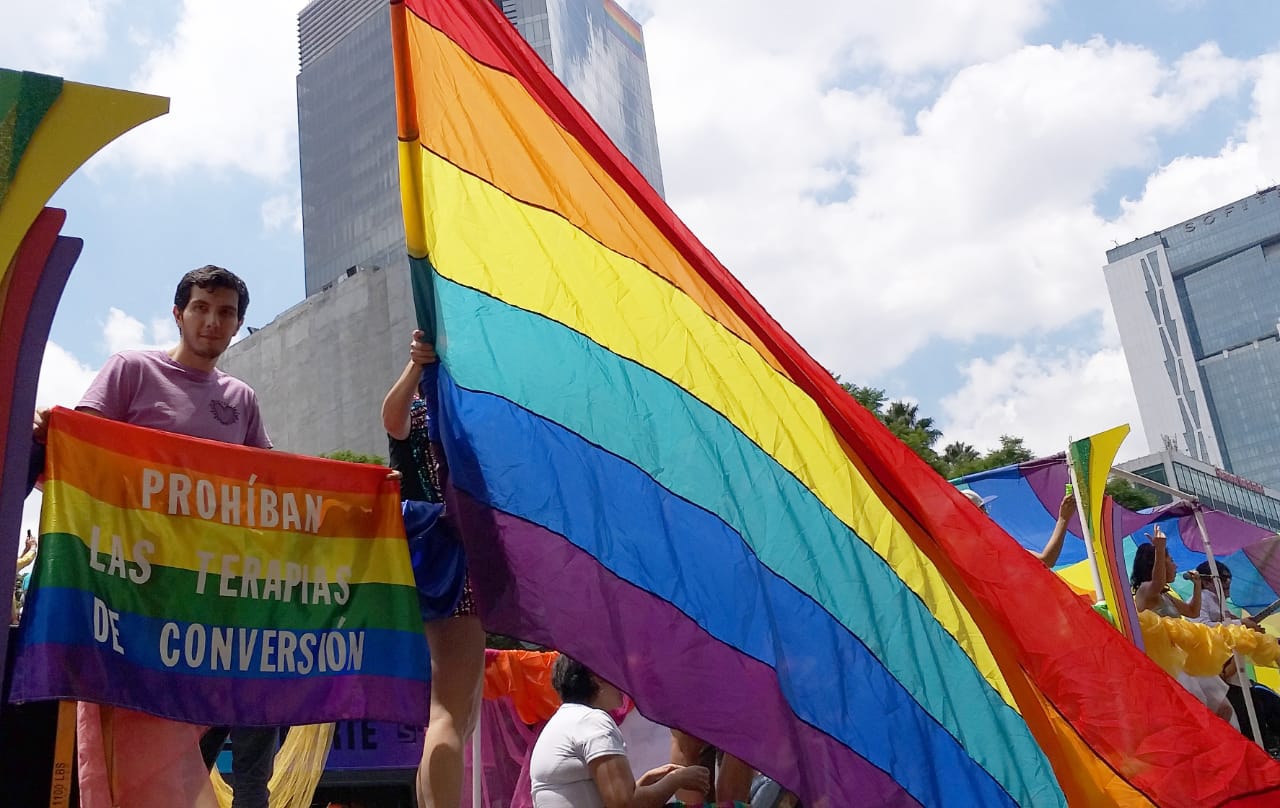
(652,476)
(219,584)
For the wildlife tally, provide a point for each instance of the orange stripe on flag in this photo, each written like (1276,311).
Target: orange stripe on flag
(217,458)
(500,112)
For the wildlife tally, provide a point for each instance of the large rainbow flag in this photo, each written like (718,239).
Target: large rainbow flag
(219,584)
(654,477)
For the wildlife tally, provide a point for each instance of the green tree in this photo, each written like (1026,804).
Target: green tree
(959,459)
(920,433)
(1011,450)
(1131,496)
(959,453)
(348,456)
(905,416)
(873,398)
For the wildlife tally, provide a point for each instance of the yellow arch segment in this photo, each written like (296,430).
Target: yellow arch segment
(81,121)
(1079,576)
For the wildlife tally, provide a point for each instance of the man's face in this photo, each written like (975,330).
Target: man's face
(210,320)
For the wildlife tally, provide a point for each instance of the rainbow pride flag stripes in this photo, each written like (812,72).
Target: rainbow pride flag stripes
(652,476)
(219,584)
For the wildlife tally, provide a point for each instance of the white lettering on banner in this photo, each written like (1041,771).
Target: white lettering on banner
(226,648)
(119,566)
(184,494)
(300,583)
(106,625)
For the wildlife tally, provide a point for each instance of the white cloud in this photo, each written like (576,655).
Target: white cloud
(868,239)
(1189,185)
(904,37)
(283,212)
(948,190)
(63,378)
(34,36)
(123,332)
(229,68)
(1045,399)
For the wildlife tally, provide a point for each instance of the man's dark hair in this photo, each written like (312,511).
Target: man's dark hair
(572,680)
(1205,570)
(210,278)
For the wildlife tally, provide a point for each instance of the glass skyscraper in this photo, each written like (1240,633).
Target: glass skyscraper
(340,348)
(346,115)
(1198,309)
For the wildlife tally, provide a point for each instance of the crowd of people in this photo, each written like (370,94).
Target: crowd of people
(1154,570)
(579,760)
(1153,573)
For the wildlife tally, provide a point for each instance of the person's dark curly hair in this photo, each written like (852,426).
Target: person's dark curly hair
(1144,562)
(211,278)
(573,681)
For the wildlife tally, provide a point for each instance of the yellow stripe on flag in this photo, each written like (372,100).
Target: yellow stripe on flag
(72,511)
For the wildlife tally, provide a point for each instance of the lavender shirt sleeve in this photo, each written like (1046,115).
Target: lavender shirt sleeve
(111,390)
(255,431)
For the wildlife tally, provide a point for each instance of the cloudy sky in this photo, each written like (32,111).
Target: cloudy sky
(921,191)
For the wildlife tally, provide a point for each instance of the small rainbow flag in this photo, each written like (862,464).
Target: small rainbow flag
(1090,460)
(652,476)
(219,584)
(627,29)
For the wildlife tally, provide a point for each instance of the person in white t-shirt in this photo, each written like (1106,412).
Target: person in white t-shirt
(580,760)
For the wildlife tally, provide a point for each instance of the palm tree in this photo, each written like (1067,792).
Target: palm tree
(958,453)
(872,398)
(903,419)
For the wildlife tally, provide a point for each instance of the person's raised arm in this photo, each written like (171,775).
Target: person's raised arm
(1160,570)
(395,406)
(612,775)
(28,553)
(1191,608)
(1053,549)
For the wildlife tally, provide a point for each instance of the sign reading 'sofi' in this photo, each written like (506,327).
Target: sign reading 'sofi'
(1264,197)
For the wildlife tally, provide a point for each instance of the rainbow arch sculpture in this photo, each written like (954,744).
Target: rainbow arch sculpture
(48,128)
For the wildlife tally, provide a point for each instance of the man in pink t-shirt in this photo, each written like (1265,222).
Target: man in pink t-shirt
(145,760)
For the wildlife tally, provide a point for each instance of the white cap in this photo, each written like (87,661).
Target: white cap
(977,499)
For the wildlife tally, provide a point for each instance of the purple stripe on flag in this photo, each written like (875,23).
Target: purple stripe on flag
(51,671)
(698,683)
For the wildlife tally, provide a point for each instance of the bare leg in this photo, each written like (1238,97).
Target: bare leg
(687,750)
(733,780)
(457,680)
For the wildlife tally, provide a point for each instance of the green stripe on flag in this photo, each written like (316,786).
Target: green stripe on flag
(171,594)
